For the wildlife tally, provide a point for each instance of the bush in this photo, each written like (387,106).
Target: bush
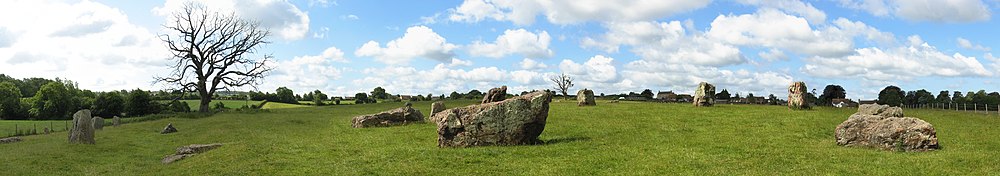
(219,106)
(178,106)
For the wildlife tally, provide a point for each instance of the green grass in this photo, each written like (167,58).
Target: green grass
(276,105)
(7,127)
(627,138)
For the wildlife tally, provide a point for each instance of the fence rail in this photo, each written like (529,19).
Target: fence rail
(963,107)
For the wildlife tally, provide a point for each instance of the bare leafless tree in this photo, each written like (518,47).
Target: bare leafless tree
(213,51)
(563,82)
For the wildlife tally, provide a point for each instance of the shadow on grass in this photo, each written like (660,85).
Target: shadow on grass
(564,140)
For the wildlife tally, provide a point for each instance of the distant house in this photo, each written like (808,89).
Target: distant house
(756,100)
(841,102)
(405,97)
(348,98)
(668,96)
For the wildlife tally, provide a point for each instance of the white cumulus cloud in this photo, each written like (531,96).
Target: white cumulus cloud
(284,19)
(917,59)
(518,41)
(924,10)
(418,41)
(524,12)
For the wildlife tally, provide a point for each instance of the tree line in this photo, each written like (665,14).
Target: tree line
(58,99)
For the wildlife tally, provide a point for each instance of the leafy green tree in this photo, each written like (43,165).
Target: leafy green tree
(318,98)
(379,93)
(360,98)
(958,98)
(474,94)
(943,97)
(109,104)
(139,103)
(52,101)
(10,101)
(455,95)
(647,93)
(286,95)
(924,97)
(891,95)
(831,92)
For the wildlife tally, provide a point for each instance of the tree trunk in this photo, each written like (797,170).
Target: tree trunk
(205,100)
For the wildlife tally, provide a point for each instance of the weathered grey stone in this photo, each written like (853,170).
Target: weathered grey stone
(436,107)
(392,117)
(883,127)
(168,129)
(83,128)
(515,121)
(98,122)
(703,96)
(10,140)
(585,97)
(188,151)
(495,94)
(117,121)
(797,96)
(880,110)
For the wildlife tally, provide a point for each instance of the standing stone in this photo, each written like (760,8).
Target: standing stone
(495,94)
(585,97)
(703,95)
(797,96)
(168,129)
(98,122)
(392,117)
(515,121)
(83,128)
(437,107)
(116,121)
(883,127)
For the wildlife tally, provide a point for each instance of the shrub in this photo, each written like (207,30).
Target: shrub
(178,106)
(219,106)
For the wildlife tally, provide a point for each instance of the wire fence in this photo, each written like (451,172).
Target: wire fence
(38,127)
(963,107)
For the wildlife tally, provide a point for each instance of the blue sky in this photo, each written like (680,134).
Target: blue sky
(421,47)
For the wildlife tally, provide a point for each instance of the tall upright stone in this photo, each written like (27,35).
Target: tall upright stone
(436,107)
(495,95)
(515,121)
(797,96)
(585,97)
(98,122)
(703,96)
(83,128)
(116,121)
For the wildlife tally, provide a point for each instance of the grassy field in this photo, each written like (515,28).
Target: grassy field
(610,139)
(233,104)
